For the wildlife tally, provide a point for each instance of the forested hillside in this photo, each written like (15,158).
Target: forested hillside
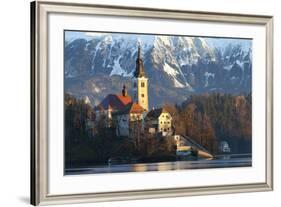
(208,119)
(217,117)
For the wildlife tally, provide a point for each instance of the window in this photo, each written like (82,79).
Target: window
(142,84)
(161,122)
(142,95)
(135,84)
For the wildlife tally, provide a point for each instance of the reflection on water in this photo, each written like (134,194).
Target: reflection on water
(139,167)
(222,161)
(162,166)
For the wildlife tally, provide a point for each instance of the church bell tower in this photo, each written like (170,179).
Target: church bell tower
(140,83)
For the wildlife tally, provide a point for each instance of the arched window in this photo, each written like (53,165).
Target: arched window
(142,84)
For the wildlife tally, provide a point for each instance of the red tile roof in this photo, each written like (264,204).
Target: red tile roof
(136,108)
(125,99)
(130,108)
(114,102)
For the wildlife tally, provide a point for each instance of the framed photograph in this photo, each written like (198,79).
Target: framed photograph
(136,103)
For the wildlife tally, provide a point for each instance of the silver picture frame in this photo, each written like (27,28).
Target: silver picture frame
(39,100)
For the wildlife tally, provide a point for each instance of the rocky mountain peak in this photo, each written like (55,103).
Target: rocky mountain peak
(175,65)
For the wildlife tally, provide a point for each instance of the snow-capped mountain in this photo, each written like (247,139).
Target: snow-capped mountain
(175,65)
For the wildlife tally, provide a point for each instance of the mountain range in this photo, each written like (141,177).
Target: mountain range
(97,64)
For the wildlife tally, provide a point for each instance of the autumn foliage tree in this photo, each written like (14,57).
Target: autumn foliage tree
(211,118)
(207,119)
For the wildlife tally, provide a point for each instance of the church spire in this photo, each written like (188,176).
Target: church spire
(139,51)
(124,91)
(139,72)
(140,83)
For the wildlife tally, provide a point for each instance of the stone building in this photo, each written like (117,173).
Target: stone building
(159,121)
(129,120)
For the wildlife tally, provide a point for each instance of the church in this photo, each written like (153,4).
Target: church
(125,113)
(130,120)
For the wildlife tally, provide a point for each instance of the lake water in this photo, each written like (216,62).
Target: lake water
(221,161)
